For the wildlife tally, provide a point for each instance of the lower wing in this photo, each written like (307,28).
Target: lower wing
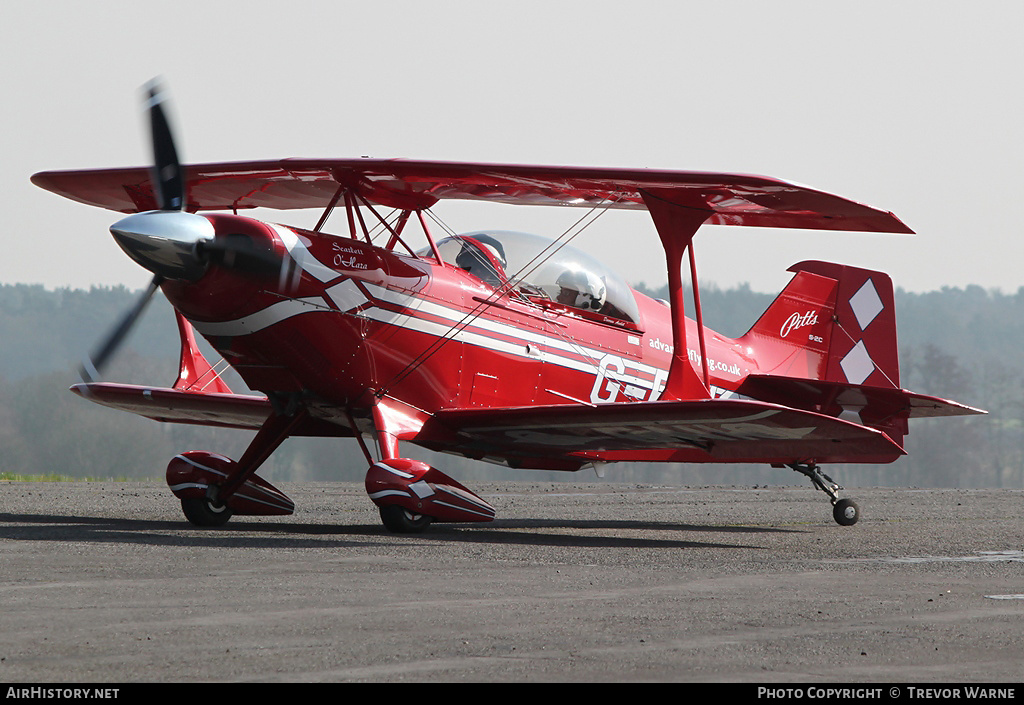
(174,405)
(713,430)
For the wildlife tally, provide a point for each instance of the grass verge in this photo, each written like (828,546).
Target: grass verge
(54,477)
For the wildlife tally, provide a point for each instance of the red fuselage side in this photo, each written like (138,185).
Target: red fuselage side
(353,321)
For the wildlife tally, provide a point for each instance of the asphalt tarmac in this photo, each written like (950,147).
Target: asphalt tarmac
(106,583)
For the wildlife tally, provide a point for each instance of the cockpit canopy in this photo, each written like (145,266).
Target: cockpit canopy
(530,266)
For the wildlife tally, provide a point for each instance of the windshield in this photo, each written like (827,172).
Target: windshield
(531,265)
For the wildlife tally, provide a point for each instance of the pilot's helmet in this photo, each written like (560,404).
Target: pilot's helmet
(582,289)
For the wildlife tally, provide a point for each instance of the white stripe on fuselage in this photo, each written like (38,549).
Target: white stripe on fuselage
(524,334)
(275,313)
(455,324)
(457,327)
(303,257)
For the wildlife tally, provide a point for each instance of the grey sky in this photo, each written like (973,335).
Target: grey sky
(913,107)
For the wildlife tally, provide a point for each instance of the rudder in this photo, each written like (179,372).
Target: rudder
(833,323)
(863,348)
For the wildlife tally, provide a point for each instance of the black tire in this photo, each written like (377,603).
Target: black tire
(846,512)
(400,520)
(201,512)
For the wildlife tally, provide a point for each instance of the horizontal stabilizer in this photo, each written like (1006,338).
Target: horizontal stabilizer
(714,430)
(835,397)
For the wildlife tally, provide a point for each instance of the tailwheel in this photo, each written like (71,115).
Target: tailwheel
(401,521)
(204,512)
(846,512)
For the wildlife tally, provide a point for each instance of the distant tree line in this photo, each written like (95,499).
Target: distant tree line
(962,344)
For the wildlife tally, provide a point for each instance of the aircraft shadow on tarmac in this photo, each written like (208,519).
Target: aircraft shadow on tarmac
(596,533)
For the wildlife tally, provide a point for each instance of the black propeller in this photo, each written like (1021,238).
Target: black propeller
(172,242)
(93,365)
(168,179)
(169,189)
(239,252)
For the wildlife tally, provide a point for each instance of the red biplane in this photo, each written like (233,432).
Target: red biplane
(494,345)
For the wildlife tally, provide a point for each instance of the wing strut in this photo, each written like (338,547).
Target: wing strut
(700,317)
(676,225)
(430,237)
(195,374)
(330,208)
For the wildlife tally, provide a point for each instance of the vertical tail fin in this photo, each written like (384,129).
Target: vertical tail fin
(829,341)
(833,323)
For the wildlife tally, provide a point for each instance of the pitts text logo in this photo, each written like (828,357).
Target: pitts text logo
(798,320)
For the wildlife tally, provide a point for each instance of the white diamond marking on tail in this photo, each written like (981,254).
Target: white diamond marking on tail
(866,304)
(857,365)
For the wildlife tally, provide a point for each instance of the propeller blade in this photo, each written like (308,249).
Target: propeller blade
(240,253)
(94,363)
(168,178)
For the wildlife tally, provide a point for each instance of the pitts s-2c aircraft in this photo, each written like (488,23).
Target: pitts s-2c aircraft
(493,345)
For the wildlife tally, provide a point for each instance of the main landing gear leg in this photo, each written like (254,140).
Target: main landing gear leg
(844,511)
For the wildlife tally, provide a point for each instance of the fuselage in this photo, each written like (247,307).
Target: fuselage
(349,321)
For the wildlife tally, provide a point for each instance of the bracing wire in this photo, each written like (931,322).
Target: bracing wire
(581,224)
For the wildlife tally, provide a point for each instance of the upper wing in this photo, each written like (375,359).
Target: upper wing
(733,199)
(713,430)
